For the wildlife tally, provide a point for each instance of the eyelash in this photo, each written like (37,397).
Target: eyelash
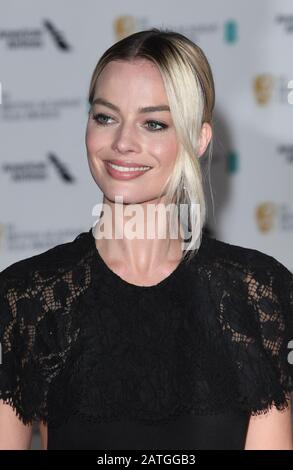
(99,115)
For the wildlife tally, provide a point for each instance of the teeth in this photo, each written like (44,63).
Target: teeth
(123,168)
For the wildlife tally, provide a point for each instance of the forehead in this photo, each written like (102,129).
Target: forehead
(135,75)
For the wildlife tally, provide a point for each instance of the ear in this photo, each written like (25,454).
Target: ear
(205,137)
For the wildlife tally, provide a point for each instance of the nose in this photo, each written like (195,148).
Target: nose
(126,139)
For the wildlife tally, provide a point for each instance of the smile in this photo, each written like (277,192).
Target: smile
(126,168)
(125,173)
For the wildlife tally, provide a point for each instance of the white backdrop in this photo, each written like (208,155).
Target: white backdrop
(47,53)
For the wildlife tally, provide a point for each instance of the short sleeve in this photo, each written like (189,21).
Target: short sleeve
(40,324)
(22,384)
(256,319)
(267,367)
(271,298)
(34,338)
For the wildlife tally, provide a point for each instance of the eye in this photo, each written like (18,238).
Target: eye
(101,118)
(153,125)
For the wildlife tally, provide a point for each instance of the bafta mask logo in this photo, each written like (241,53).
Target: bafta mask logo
(124,26)
(265,216)
(263,88)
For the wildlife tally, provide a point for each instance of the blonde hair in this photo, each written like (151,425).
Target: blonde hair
(190,90)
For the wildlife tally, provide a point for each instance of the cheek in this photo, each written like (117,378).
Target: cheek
(94,142)
(89,140)
(165,151)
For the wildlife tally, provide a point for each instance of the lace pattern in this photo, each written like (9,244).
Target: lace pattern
(214,339)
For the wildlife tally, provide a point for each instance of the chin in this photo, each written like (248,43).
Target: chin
(127,198)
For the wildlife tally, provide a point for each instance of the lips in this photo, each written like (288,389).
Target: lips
(124,174)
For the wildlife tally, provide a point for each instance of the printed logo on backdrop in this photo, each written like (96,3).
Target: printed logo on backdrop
(2,233)
(271,216)
(25,109)
(125,25)
(269,88)
(35,37)
(39,170)
(57,36)
(230,31)
(290,93)
(224,160)
(14,239)
(285,21)
(232,162)
(286,151)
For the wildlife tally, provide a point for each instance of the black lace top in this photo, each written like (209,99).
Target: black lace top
(112,365)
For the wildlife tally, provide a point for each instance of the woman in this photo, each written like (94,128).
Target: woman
(122,342)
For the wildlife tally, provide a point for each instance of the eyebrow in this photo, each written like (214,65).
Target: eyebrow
(147,109)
